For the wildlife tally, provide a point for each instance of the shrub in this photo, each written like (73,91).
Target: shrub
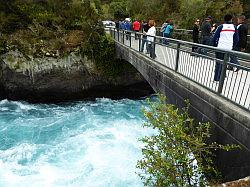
(178,155)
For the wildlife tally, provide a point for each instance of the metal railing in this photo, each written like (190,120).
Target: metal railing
(185,34)
(183,58)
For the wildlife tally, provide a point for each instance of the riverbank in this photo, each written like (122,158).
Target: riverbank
(73,77)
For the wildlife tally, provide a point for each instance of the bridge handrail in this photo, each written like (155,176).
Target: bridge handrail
(232,52)
(235,89)
(189,30)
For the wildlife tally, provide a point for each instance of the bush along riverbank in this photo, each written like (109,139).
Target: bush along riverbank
(179,153)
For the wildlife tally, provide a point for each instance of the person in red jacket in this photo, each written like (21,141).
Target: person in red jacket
(136,27)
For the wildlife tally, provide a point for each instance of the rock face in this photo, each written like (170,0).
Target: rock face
(52,79)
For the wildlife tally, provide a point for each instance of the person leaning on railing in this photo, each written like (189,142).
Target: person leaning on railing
(225,37)
(145,28)
(150,37)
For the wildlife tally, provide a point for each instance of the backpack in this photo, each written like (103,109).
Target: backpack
(169,30)
(163,27)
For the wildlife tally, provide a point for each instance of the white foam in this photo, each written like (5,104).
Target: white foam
(88,149)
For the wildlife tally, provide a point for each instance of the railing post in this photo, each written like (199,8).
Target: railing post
(123,36)
(177,57)
(139,42)
(118,32)
(223,73)
(130,33)
(154,46)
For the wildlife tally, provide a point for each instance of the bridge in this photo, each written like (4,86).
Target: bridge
(181,74)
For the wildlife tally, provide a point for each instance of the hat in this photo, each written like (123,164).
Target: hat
(209,17)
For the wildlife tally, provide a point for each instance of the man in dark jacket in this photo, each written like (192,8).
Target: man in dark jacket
(242,30)
(206,33)
(242,44)
(195,33)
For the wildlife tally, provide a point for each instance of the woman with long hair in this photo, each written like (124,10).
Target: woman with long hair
(151,38)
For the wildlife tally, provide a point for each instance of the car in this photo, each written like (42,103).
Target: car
(108,23)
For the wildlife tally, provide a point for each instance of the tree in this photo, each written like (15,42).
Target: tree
(119,9)
(178,154)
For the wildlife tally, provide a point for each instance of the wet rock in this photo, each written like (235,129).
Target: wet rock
(73,77)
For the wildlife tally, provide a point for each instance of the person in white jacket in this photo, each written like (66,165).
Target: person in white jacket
(150,37)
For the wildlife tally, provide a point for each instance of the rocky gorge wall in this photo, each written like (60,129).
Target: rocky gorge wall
(54,79)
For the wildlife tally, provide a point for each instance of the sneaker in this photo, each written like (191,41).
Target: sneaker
(230,68)
(237,69)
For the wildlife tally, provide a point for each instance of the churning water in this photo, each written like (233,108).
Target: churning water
(76,144)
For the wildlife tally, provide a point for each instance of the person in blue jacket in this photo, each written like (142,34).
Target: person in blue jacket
(127,27)
(168,32)
(225,37)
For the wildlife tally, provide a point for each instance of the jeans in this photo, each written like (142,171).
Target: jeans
(218,66)
(136,35)
(234,59)
(206,40)
(144,41)
(165,40)
(194,49)
(128,35)
(151,48)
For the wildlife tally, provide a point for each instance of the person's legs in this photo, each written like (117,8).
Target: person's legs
(194,48)
(147,47)
(136,36)
(218,66)
(143,43)
(151,50)
(154,55)
(165,40)
(234,60)
(205,41)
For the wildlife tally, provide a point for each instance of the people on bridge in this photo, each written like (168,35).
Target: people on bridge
(151,38)
(117,24)
(226,37)
(168,31)
(136,27)
(127,27)
(195,34)
(206,33)
(242,44)
(121,25)
(242,29)
(145,28)
(164,26)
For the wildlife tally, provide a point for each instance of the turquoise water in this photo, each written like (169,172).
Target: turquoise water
(75,144)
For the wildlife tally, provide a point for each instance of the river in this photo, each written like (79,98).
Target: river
(87,143)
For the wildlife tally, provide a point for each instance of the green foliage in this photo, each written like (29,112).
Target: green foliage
(183,12)
(35,28)
(118,9)
(178,155)
(103,52)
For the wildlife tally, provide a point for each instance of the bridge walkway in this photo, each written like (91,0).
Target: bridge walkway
(197,67)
